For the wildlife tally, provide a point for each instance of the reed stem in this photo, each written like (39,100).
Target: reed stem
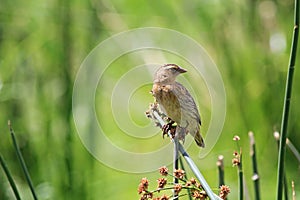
(220,165)
(255,176)
(176,157)
(241,180)
(9,178)
(286,106)
(293,149)
(185,176)
(189,161)
(22,162)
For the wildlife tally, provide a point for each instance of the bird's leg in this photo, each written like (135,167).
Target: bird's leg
(181,132)
(185,128)
(169,127)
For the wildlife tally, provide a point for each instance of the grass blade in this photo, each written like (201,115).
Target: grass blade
(220,165)
(241,180)
(286,195)
(293,149)
(22,162)
(9,178)
(255,176)
(286,106)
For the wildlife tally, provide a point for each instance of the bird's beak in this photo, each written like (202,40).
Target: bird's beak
(181,70)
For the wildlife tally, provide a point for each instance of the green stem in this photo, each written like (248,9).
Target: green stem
(293,191)
(176,157)
(190,162)
(170,188)
(286,196)
(10,179)
(285,187)
(241,181)
(255,176)
(293,149)
(197,173)
(220,164)
(22,162)
(185,176)
(286,107)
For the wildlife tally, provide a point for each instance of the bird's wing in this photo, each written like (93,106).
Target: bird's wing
(186,101)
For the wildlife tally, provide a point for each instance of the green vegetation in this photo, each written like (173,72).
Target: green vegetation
(42,45)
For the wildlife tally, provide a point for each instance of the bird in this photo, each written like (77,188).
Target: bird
(176,102)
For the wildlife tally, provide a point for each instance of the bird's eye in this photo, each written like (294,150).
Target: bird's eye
(173,69)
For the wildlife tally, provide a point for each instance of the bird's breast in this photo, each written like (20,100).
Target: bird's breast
(166,98)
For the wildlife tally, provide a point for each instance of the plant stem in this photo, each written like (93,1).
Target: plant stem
(220,164)
(285,187)
(255,176)
(176,157)
(293,191)
(241,181)
(190,162)
(10,179)
(286,195)
(197,173)
(286,107)
(293,149)
(185,176)
(22,162)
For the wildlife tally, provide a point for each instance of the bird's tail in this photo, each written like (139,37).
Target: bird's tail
(199,140)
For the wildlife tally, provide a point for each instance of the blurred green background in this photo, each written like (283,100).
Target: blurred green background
(42,45)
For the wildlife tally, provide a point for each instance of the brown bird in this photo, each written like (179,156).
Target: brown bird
(177,103)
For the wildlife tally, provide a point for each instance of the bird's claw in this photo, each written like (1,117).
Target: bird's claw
(169,127)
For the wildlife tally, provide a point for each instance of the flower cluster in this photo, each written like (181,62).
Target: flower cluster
(179,173)
(143,186)
(161,183)
(236,138)
(224,191)
(237,156)
(199,195)
(154,107)
(236,161)
(163,171)
(192,185)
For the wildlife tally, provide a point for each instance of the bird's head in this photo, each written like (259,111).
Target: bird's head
(167,74)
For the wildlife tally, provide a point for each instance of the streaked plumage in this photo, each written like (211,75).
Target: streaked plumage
(177,102)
